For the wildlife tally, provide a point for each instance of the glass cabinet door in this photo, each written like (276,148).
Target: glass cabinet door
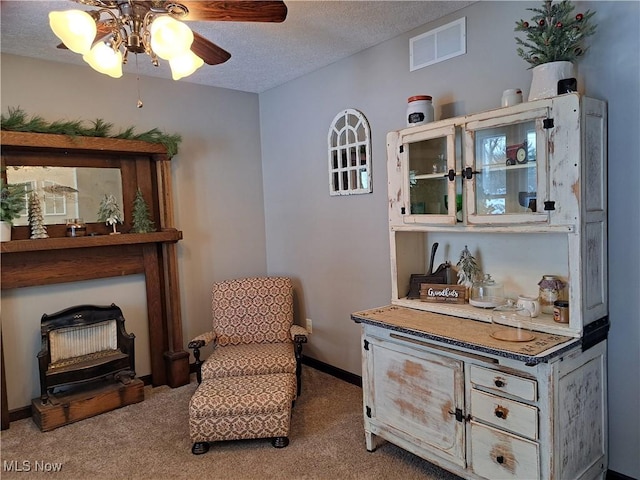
(505,169)
(430,177)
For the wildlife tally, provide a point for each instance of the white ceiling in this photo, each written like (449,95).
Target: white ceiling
(263,55)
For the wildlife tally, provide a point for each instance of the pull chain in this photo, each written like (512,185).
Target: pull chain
(139,104)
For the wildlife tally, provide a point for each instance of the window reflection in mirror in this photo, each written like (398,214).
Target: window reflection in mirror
(67,192)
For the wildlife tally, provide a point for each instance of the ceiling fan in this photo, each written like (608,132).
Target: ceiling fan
(154,27)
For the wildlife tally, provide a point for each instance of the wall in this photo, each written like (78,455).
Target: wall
(217,182)
(337,247)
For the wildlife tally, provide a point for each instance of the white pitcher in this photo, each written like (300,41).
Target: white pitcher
(530,303)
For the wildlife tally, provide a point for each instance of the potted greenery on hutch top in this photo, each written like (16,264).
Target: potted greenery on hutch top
(554,41)
(12,204)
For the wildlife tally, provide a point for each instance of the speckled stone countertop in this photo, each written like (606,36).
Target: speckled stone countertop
(470,334)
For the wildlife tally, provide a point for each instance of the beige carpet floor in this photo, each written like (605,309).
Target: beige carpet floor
(150,440)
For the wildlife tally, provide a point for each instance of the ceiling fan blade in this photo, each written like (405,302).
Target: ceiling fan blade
(207,51)
(236,11)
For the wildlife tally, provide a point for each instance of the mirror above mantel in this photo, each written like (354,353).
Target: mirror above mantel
(67,192)
(88,165)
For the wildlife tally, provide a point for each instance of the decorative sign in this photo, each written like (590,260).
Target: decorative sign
(432,292)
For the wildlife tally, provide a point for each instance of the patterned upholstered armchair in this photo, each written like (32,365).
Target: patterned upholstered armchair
(253,330)
(257,354)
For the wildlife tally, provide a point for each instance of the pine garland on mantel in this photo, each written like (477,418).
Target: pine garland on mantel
(18,121)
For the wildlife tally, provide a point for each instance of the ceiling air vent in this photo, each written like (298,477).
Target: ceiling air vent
(437,45)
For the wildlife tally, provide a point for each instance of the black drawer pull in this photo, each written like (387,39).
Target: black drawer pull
(499,383)
(500,459)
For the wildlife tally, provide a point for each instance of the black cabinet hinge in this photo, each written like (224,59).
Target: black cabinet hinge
(403,210)
(547,123)
(401,148)
(549,205)
(594,333)
(368,409)
(366,345)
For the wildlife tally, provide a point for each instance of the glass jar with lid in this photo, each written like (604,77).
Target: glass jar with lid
(486,293)
(419,110)
(550,290)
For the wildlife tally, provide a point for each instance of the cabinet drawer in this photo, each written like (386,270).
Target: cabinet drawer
(504,413)
(505,383)
(500,455)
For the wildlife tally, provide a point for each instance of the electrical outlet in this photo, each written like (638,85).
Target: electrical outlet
(309,325)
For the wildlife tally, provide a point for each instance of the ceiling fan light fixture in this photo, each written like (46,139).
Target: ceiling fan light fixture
(169,37)
(104,59)
(184,65)
(106,35)
(76,28)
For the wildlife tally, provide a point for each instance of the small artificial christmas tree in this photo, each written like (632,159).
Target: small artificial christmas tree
(468,268)
(554,34)
(142,222)
(109,212)
(36,220)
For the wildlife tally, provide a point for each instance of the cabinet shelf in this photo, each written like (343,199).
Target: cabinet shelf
(490,168)
(544,322)
(518,166)
(461,228)
(432,176)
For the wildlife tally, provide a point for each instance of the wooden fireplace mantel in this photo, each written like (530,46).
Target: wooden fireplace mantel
(30,263)
(61,259)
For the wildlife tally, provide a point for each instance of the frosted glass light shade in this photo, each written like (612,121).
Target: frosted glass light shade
(75,28)
(185,65)
(105,59)
(169,37)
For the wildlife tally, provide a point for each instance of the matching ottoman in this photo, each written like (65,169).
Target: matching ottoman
(234,408)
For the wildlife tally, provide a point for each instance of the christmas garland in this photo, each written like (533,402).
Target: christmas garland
(17,121)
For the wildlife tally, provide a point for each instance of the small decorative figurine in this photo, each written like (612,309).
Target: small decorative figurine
(142,222)
(467,268)
(36,219)
(110,212)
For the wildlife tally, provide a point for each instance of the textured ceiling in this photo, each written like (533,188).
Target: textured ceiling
(264,55)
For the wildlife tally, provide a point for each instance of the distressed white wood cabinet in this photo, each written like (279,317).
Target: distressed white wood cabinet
(524,188)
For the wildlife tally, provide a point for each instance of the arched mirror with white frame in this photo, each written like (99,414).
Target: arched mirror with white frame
(349,154)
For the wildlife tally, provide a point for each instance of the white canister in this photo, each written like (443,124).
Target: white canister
(419,110)
(511,97)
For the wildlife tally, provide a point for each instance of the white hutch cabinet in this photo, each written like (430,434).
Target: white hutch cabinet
(524,188)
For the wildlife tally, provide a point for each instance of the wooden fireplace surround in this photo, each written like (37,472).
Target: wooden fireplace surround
(61,259)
